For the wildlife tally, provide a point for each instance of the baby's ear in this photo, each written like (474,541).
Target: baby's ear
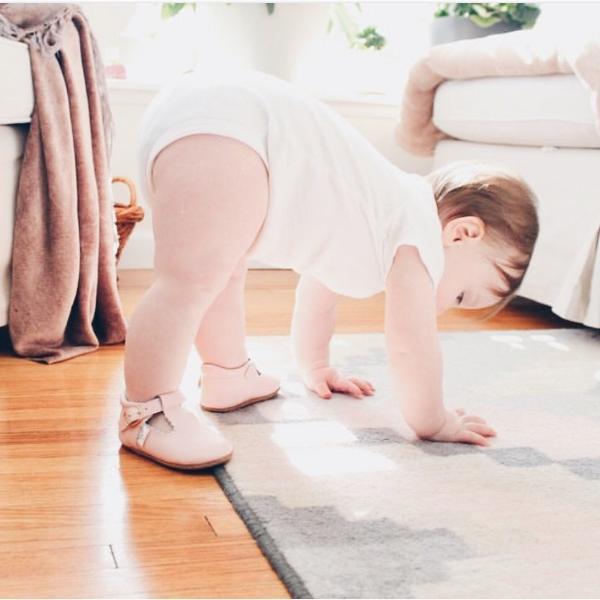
(464,228)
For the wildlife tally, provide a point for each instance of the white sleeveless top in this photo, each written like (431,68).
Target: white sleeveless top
(338,209)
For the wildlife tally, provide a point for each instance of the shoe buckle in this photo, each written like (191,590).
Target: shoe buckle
(133,413)
(139,412)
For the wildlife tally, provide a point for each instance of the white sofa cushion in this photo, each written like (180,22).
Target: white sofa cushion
(16,87)
(12,142)
(550,110)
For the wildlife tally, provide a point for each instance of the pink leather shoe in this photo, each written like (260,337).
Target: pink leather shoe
(227,388)
(190,444)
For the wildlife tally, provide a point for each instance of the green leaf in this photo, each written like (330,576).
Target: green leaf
(485,21)
(370,38)
(442,10)
(481,11)
(170,9)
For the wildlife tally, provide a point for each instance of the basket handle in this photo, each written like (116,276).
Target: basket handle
(131,186)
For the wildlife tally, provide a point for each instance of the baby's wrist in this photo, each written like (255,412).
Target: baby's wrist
(430,427)
(314,373)
(316,367)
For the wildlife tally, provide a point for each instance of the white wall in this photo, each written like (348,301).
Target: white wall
(108,21)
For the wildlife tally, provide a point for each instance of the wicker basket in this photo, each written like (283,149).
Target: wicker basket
(127,215)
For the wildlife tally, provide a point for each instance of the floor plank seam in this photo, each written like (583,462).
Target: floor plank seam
(210,525)
(112,553)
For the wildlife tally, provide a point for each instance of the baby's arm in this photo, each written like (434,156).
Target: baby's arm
(313,323)
(415,355)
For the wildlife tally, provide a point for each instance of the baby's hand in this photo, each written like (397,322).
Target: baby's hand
(326,380)
(468,429)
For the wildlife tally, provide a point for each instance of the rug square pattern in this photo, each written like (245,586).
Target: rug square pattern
(345,502)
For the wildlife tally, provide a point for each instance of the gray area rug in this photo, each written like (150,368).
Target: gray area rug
(346,503)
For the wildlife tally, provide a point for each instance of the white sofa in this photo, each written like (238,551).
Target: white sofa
(545,128)
(16,106)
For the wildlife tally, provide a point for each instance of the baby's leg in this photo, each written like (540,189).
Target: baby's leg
(222,333)
(211,197)
(230,380)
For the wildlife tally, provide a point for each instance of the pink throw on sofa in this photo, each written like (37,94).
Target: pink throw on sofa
(63,299)
(519,53)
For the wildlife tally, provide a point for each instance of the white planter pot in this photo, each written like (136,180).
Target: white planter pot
(451,29)
(245,35)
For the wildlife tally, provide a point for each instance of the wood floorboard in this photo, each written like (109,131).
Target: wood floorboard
(82,517)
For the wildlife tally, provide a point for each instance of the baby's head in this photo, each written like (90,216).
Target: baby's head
(489,229)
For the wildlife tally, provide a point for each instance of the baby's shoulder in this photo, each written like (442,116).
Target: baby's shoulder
(409,272)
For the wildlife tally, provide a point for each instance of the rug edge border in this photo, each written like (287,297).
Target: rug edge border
(288,576)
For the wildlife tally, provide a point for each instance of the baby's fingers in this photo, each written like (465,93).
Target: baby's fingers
(473,419)
(470,437)
(345,385)
(365,386)
(323,390)
(480,428)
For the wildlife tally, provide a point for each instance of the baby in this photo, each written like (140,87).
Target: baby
(243,165)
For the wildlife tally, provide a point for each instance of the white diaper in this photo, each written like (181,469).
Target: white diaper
(199,103)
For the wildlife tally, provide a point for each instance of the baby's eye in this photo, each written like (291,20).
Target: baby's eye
(460,297)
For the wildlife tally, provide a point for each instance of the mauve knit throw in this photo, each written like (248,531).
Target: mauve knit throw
(63,298)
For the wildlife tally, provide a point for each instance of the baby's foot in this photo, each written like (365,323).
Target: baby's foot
(223,389)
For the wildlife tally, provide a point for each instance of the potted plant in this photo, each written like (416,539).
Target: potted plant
(462,20)
(268,36)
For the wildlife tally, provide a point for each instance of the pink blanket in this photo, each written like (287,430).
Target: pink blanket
(520,53)
(64,300)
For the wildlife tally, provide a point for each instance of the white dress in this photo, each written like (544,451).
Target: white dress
(337,210)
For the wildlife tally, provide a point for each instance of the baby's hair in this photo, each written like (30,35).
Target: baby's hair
(503,201)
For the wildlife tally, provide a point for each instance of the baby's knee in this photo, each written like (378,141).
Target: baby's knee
(185,292)
(195,276)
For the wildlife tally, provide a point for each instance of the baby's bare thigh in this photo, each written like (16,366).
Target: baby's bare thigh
(210,200)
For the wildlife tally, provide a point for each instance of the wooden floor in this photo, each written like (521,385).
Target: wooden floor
(82,517)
